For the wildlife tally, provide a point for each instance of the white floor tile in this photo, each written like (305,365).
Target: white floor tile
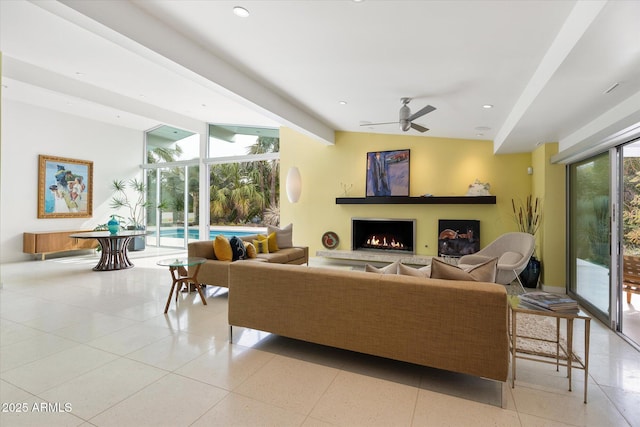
(101,388)
(289,384)
(171,401)
(100,342)
(43,374)
(241,411)
(359,400)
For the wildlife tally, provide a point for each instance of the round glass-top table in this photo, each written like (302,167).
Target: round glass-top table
(180,276)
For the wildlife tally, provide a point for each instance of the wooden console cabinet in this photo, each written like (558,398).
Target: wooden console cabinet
(48,242)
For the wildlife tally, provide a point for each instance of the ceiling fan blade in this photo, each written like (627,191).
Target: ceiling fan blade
(421,112)
(419,128)
(375,124)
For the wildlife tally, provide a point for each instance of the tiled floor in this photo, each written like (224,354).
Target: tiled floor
(96,349)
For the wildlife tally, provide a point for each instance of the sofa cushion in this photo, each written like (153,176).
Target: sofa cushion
(416,272)
(251,250)
(238,250)
(485,272)
(389,269)
(284,236)
(283,256)
(222,248)
(262,246)
(279,257)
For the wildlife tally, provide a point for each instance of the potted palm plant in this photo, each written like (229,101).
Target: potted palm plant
(528,216)
(136,205)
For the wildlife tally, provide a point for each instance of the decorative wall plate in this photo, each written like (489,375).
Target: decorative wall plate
(330,240)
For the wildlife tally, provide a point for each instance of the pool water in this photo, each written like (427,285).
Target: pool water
(194,234)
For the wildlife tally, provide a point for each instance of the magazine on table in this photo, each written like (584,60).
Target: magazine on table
(550,301)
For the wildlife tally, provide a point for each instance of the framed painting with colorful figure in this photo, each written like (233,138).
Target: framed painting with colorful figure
(65,187)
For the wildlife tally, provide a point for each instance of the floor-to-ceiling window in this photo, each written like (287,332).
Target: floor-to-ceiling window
(243,184)
(589,233)
(171,170)
(244,177)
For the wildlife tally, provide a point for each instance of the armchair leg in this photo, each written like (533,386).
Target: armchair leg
(520,281)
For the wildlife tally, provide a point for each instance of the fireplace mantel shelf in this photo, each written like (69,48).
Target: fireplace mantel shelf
(431,200)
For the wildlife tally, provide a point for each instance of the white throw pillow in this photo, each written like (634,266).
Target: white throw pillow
(284,236)
(416,272)
(389,269)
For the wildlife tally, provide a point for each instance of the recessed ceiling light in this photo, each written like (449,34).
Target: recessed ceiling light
(240,11)
(487,106)
(79,74)
(479,134)
(342,102)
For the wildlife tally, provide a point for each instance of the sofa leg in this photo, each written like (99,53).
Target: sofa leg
(230,334)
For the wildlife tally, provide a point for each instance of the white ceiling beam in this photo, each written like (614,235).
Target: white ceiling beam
(128,20)
(581,17)
(602,133)
(36,76)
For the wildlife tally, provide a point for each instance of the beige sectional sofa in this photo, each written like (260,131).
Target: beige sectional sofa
(457,326)
(215,272)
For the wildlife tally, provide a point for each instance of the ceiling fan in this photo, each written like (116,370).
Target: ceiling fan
(406,118)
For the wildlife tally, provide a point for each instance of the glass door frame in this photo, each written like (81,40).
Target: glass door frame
(610,317)
(158,168)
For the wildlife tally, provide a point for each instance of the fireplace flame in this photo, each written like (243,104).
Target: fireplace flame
(382,243)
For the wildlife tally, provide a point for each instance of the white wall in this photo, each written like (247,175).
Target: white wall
(27,131)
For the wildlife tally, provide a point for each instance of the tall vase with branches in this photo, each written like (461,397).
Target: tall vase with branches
(528,216)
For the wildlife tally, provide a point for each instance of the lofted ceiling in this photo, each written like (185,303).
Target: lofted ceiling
(546,67)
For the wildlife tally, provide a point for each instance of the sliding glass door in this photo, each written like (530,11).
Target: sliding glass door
(629,303)
(590,234)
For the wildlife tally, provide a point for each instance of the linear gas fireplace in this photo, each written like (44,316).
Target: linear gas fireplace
(386,235)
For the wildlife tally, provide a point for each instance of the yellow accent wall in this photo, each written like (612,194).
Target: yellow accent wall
(439,166)
(549,184)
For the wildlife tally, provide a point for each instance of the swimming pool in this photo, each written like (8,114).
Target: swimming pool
(194,234)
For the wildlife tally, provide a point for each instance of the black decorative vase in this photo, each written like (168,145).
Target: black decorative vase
(531,273)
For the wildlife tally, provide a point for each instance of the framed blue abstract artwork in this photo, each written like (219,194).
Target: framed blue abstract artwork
(388,173)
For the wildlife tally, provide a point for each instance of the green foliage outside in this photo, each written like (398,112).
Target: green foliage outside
(631,206)
(591,206)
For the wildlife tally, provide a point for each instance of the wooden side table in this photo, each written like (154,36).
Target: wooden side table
(516,307)
(180,276)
